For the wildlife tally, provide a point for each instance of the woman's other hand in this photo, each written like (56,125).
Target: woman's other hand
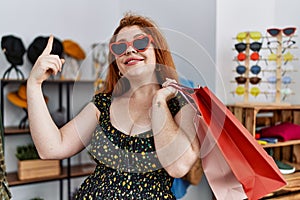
(47,64)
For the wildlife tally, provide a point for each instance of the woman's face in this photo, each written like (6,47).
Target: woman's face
(133,63)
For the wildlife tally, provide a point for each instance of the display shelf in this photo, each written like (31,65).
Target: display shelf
(247,113)
(12,130)
(281,144)
(252,115)
(76,171)
(69,171)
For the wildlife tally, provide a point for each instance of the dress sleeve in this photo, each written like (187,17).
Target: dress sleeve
(101,100)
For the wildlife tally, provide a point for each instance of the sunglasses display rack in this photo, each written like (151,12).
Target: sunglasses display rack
(282,56)
(248,57)
(249,80)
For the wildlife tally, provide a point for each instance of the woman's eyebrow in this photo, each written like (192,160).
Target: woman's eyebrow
(135,36)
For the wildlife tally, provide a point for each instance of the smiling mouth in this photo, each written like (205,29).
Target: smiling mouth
(132,61)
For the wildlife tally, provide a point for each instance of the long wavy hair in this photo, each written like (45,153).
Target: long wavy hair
(165,67)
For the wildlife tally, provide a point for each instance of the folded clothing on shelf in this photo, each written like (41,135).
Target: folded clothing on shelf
(269,139)
(284,131)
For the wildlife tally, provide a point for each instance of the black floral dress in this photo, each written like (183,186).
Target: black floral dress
(127,166)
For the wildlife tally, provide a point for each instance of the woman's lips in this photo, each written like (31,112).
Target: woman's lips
(133,61)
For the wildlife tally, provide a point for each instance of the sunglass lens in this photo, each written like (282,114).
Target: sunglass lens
(119,48)
(141,44)
(240,79)
(273,31)
(272,79)
(255,35)
(255,69)
(286,80)
(289,31)
(255,91)
(240,69)
(254,56)
(254,80)
(241,36)
(240,47)
(255,46)
(241,56)
(240,90)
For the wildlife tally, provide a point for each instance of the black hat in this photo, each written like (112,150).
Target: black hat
(13,48)
(38,45)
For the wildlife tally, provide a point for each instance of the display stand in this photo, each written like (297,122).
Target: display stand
(278,98)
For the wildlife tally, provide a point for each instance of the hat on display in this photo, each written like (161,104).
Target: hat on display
(72,49)
(38,45)
(19,97)
(13,48)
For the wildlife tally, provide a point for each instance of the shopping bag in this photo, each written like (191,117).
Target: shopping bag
(228,139)
(223,182)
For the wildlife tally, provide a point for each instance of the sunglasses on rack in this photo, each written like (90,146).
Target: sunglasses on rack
(140,44)
(289,31)
(242,56)
(286,57)
(285,80)
(286,44)
(241,69)
(242,80)
(254,35)
(254,46)
(254,91)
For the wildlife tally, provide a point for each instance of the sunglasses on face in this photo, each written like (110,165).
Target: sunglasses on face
(242,80)
(140,44)
(254,46)
(254,35)
(286,31)
(241,69)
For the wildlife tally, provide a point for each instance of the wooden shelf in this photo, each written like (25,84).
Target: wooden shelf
(76,171)
(15,131)
(281,144)
(270,115)
(47,81)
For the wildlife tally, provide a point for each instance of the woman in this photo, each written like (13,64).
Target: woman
(139,131)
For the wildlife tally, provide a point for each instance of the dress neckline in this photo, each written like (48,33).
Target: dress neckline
(145,134)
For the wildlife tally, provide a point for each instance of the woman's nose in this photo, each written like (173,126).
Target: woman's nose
(129,50)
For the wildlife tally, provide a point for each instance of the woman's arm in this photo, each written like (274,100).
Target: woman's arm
(51,142)
(176,142)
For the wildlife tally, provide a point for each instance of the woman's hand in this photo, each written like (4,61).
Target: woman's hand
(167,92)
(47,64)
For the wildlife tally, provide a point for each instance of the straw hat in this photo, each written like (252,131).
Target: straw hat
(19,98)
(72,49)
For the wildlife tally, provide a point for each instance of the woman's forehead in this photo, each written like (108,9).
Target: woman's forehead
(129,32)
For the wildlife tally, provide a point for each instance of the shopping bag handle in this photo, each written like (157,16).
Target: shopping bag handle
(186,93)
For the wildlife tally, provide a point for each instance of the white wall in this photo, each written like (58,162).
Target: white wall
(188,25)
(234,16)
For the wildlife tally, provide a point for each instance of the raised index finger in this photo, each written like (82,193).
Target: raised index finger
(48,48)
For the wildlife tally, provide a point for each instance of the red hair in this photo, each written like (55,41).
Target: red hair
(164,61)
